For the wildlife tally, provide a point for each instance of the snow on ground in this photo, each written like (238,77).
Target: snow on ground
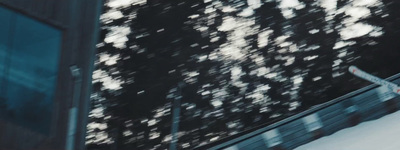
(380,134)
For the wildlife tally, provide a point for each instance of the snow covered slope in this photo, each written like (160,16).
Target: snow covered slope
(380,134)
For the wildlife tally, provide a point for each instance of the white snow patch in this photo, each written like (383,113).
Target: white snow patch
(297,79)
(285,4)
(125,3)
(111,14)
(287,7)
(366,3)
(329,5)
(216,103)
(358,12)
(380,134)
(308,58)
(246,12)
(254,4)
(263,38)
(109,60)
(317,78)
(262,71)
(118,36)
(271,75)
(236,72)
(356,30)
(288,13)
(108,82)
(228,9)
(313,31)
(376,33)
(289,61)
(151,122)
(342,44)
(228,24)
(94,125)
(232,52)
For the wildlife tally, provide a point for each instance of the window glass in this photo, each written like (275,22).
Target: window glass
(30,74)
(272,137)
(232,148)
(4,40)
(384,93)
(312,122)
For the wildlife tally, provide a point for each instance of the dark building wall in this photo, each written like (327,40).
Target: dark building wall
(368,103)
(78,22)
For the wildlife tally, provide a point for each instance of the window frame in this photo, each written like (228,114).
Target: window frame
(55,102)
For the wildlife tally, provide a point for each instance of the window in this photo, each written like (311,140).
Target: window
(232,148)
(312,122)
(384,93)
(351,109)
(272,138)
(29,56)
(349,106)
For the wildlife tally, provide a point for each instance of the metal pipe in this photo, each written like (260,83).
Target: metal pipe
(175,117)
(73,111)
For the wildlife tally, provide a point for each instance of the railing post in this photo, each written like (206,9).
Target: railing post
(176,108)
(73,110)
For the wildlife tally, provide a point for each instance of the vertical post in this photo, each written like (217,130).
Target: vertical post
(73,111)
(116,132)
(175,117)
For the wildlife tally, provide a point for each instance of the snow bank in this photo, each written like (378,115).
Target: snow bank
(380,134)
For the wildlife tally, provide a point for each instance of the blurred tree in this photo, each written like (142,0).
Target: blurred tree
(244,65)
(316,36)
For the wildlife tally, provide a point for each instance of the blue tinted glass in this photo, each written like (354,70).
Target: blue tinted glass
(4,41)
(31,72)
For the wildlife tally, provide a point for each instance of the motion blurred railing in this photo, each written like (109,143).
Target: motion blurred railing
(368,103)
